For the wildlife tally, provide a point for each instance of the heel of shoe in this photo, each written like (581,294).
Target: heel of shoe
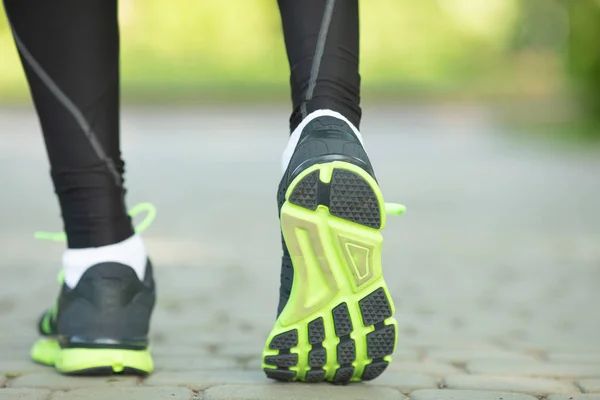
(109,308)
(91,361)
(85,361)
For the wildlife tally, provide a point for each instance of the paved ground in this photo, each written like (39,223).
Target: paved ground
(495,268)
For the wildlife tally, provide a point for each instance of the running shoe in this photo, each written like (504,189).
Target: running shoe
(101,325)
(335,312)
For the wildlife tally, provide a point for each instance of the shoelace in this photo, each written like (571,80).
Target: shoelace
(394,209)
(141,227)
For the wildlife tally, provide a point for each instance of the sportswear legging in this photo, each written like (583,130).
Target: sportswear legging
(70,53)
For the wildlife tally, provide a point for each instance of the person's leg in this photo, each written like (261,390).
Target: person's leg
(70,53)
(335,313)
(321,38)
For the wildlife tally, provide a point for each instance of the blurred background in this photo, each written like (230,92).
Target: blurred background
(482,116)
(505,52)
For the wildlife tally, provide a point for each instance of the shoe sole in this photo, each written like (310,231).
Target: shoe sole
(337,325)
(86,361)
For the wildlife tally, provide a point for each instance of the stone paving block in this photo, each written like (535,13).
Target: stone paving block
(467,355)
(450,394)
(15,351)
(15,367)
(279,391)
(577,396)
(53,380)
(533,386)
(179,336)
(554,346)
(204,379)
(576,358)
(443,343)
(589,385)
(428,368)
(404,381)
(137,393)
(240,350)
(187,335)
(181,363)
(534,369)
(179,350)
(406,355)
(24,394)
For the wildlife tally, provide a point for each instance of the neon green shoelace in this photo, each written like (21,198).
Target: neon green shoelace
(141,227)
(394,209)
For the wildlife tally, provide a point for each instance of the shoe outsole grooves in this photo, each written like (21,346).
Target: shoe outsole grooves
(337,325)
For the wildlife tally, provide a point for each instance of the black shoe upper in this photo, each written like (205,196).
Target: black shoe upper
(324,139)
(110,307)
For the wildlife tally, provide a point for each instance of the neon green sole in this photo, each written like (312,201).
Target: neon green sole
(337,325)
(84,360)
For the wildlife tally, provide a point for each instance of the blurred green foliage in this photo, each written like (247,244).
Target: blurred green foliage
(193,50)
(191,46)
(584,52)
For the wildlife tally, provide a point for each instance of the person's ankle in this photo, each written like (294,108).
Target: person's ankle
(130,252)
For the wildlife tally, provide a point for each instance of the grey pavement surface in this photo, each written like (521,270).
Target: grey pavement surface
(495,269)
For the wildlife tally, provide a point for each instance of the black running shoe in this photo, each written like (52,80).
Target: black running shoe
(335,312)
(101,325)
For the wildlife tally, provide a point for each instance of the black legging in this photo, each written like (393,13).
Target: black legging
(70,53)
